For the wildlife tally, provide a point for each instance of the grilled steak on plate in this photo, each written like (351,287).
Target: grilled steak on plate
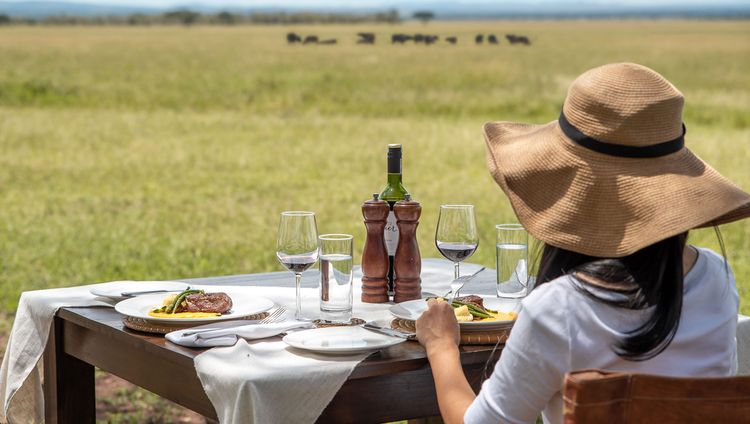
(473,299)
(207,302)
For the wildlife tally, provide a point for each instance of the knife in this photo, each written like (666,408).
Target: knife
(138,293)
(388,331)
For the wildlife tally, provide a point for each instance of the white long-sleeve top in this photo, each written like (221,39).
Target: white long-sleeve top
(561,329)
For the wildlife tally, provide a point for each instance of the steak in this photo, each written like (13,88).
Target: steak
(473,299)
(207,302)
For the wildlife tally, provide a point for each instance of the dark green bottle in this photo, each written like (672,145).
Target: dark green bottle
(392,193)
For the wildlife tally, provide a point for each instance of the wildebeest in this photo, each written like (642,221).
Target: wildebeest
(400,38)
(329,41)
(451,40)
(429,39)
(492,39)
(311,39)
(518,39)
(292,38)
(419,38)
(366,38)
(479,39)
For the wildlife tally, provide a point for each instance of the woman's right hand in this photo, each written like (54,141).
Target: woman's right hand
(437,326)
(437,331)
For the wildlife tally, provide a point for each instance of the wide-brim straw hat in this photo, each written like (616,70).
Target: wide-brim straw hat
(611,175)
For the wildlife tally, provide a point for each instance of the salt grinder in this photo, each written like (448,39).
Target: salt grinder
(375,256)
(407,265)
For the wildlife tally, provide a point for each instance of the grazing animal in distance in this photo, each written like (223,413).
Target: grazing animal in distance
(430,39)
(400,38)
(451,40)
(366,38)
(492,39)
(329,41)
(479,39)
(292,38)
(311,39)
(419,38)
(518,39)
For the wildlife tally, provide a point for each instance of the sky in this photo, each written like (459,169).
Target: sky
(394,3)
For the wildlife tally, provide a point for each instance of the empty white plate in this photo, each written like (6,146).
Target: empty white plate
(340,340)
(115,289)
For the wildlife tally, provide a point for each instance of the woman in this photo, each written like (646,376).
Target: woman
(612,192)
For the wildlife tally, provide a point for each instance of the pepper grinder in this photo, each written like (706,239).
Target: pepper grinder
(407,266)
(375,256)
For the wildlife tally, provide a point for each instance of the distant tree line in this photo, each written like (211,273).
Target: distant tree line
(188,17)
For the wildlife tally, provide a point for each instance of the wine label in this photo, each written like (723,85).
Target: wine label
(391,234)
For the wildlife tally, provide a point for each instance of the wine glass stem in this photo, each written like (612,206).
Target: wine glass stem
(456,272)
(298,284)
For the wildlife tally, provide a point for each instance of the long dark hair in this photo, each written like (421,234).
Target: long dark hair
(652,276)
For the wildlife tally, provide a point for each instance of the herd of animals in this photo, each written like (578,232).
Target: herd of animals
(427,39)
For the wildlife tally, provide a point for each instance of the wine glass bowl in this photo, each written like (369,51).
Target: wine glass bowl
(456,236)
(297,246)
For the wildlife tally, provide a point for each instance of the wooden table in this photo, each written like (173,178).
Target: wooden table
(394,384)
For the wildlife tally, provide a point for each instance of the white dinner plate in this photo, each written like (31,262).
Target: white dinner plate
(115,289)
(340,340)
(243,304)
(413,309)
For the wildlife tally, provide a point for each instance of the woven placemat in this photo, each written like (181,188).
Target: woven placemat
(140,324)
(324,324)
(473,338)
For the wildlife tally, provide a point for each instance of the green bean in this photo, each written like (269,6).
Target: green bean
(180,297)
(473,309)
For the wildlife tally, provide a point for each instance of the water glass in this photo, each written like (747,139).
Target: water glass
(336,288)
(512,257)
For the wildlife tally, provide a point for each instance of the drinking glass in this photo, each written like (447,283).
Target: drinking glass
(512,257)
(456,236)
(336,277)
(297,246)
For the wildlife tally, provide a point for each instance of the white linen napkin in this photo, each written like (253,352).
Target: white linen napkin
(226,333)
(20,374)
(269,382)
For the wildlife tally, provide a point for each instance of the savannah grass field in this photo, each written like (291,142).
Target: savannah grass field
(168,152)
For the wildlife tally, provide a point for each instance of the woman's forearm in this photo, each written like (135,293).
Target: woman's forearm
(453,390)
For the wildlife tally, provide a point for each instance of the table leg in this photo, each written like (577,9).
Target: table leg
(69,386)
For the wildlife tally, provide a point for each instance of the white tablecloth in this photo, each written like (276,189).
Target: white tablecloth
(20,374)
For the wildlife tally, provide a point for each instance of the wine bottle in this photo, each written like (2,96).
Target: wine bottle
(392,193)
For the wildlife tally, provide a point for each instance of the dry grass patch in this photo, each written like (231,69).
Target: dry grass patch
(118,401)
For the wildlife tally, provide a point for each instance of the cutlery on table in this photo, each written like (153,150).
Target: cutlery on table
(138,293)
(255,331)
(458,284)
(372,326)
(275,316)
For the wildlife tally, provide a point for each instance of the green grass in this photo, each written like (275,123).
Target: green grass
(157,153)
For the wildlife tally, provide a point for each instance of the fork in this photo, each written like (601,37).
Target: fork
(272,317)
(458,284)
